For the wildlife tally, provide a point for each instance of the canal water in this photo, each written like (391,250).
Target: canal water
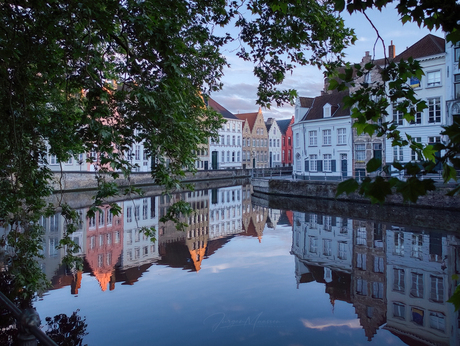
(246,274)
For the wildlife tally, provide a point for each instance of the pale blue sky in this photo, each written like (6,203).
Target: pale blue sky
(240,86)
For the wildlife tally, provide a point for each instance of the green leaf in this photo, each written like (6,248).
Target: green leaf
(347,186)
(373,164)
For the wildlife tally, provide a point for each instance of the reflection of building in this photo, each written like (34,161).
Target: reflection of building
(323,239)
(417,287)
(104,244)
(137,247)
(225,212)
(197,230)
(369,275)
(329,263)
(273,217)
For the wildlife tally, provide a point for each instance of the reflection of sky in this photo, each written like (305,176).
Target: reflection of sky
(245,294)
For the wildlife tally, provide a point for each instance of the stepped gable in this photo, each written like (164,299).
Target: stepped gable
(336,102)
(220,109)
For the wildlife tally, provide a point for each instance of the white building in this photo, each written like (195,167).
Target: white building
(322,138)
(225,212)
(417,286)
(227,151)
(137,247)
(426,128)
(274,140)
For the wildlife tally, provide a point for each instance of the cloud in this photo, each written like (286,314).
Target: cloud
(321,324)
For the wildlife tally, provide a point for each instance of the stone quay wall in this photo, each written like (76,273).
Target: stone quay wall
(76,181)
(327,190)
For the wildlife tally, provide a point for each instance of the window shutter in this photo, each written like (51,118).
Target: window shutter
(306,166)
(319,165)
(333,166)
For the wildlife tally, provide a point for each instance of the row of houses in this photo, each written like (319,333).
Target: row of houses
(244,141)
(325,143)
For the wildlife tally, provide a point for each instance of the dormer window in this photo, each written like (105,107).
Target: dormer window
(327,110)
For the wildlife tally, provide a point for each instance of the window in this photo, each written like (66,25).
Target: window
(297,140)
(437,321)
(326,137)
(342,250)
(327,162)
(228,156)
(233,140)
(233,156)
(313,244)
(417,118)
(417,243)
(327,247)
(327,110)
(238,157)
(101,218)
(313,139)
(360,150)
(129,214)
(341,136)
(414,156)
(437,289)
(433,79)
(377,290)
(289,140)
(434,110)
(397,116)
(457,82)
(417,285)
(399,310)
(399,244)
(398,154)
(361,261)
(398,280)
(313,163)
(417,315)
(137,152)
(361,287)
(379,265)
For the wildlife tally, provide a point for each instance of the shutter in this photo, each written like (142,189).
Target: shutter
(306,166)
(333,168)
(319,165)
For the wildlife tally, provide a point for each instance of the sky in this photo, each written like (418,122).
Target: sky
(240,86)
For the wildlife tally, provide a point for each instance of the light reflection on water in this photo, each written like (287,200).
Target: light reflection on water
(246,274)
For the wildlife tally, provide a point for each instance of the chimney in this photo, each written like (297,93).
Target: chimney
(366,58)
(391,51)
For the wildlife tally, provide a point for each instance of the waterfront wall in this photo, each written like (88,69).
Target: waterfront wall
(76,181)
(327,190)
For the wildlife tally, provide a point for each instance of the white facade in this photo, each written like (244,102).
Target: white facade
(322,147)
(427,126)
(452,80)
(226,152)
(225,212)
(323,240)
(274,143)
(417,286)
(137,247)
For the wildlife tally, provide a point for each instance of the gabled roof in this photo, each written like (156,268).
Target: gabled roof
(306,102)
(334,99)
(283,125)
(218,108)
(427,46)
(268,126)
(250,117)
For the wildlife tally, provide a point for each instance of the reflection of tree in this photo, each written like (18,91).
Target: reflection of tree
(67,331)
